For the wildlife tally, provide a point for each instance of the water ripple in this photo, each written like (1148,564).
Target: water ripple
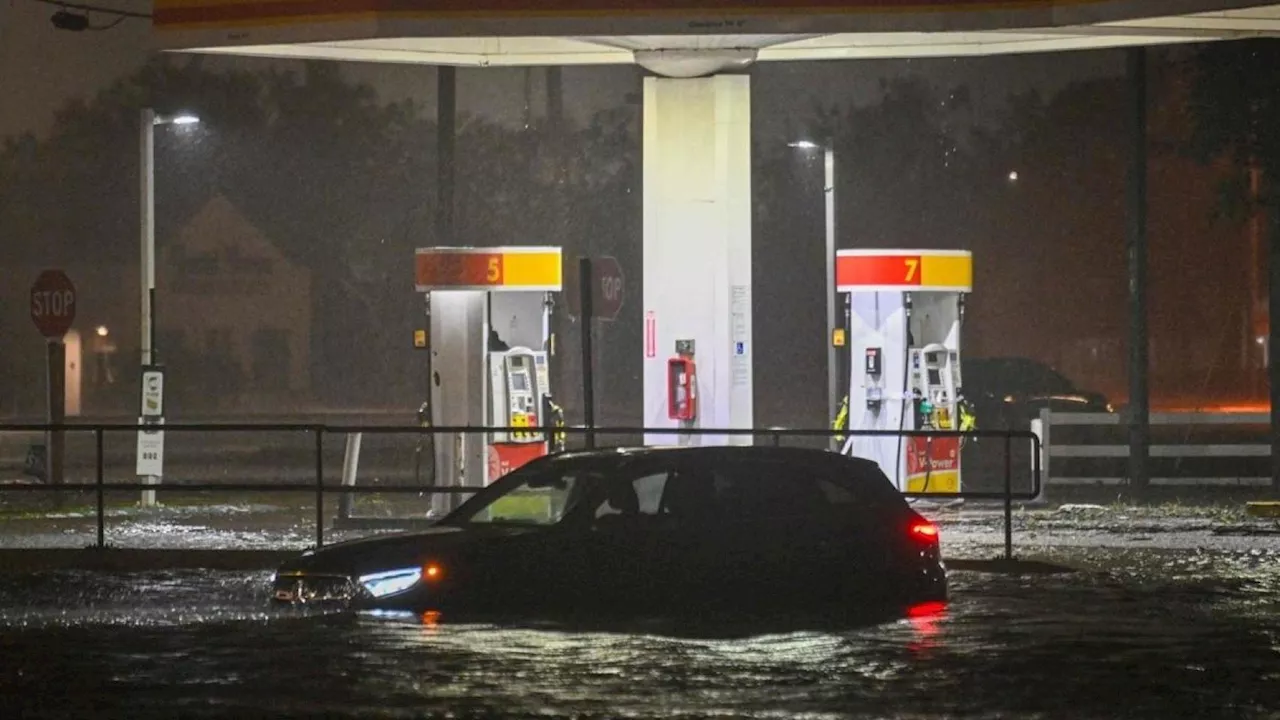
(1144,635)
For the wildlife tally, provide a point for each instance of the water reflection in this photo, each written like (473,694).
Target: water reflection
(1149,636)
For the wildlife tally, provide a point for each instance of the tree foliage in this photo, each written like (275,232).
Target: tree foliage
(343,183)
(1234,105)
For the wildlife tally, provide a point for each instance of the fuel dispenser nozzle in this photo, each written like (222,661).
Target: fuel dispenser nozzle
(872,370)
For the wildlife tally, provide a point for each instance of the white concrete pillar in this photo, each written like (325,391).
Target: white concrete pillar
(697,248)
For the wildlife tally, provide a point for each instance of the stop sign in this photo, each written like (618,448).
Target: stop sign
(53,303)
(607,288)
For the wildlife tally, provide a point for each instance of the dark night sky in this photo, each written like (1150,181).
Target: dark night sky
(45,67)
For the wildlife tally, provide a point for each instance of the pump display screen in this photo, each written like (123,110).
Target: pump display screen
(519,382)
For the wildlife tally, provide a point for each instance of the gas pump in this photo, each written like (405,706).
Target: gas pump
(905,310)
(935,379)
(491,348)
(519,388)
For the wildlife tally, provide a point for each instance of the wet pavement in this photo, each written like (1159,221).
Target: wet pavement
(1172,613)
(285,523)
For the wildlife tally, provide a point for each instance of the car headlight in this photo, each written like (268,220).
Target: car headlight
(390,582)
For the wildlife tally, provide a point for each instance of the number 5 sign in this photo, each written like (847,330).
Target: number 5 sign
(509,268)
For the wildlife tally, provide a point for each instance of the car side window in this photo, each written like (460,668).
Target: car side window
(641,496)
(649,492)
(868,483)
(835,493)
(768,490)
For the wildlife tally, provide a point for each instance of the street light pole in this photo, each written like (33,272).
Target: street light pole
(146,337)
(833,363)
(146,130)
(150,442)
(829,199)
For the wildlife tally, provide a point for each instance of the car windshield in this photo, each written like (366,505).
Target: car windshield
(1045,378)
(1015,375)
(527,496)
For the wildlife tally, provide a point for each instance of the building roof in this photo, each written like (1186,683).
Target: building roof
(689,37)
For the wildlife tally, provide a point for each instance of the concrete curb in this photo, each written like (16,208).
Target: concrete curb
(1009,567)
(1263,509)
(134,560)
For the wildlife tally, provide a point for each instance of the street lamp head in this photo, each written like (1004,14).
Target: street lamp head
(803,144)
(179,119)
(1013,176)
(102,331)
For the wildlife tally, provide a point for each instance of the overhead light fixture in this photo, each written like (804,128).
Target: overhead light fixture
(184,118)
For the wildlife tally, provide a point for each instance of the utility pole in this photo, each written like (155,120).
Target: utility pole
(1139,391)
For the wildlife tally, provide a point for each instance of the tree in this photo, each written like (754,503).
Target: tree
(71,197)
(1235,106)
(341,182)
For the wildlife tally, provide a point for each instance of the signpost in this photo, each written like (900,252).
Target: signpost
(604,302)
(150,460)
(53,310)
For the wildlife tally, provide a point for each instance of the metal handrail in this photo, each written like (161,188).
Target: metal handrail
(1050,421)
(319,430)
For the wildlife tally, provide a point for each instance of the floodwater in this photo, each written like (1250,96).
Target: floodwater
(1140,633)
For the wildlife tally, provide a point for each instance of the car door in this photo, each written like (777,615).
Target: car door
(605,554)
(802,548)
(729,541)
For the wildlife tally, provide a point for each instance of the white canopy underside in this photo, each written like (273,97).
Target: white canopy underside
(650,50)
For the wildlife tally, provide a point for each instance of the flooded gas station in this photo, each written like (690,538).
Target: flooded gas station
(1153,614)
(160,610)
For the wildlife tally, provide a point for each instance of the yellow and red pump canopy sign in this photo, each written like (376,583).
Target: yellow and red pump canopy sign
(179,13)
(904,270)
(496,269)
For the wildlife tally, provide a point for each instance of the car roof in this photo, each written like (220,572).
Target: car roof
(714,453)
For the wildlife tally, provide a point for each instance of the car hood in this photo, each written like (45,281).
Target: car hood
(1077,397)
(355,557)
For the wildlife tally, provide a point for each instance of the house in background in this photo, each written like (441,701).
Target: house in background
(234,314)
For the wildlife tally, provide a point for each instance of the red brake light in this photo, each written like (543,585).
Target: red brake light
(927,610)
(924,530)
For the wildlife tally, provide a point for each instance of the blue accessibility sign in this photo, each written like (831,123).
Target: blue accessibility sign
(740,348)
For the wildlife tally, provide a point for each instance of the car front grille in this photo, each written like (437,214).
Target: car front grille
(296,589)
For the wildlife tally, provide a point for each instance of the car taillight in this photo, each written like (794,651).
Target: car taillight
(924,531)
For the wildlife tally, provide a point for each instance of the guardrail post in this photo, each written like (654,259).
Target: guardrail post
(351,467)
(1046,437)
(101,473)
(1008,496)
(319,487)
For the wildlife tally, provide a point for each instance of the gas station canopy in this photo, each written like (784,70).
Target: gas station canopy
(688,37)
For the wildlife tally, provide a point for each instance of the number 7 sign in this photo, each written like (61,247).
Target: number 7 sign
(887,270)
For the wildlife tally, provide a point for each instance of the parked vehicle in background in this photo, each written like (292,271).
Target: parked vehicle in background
(1008,392)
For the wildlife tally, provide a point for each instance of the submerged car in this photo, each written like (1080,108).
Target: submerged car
(646,532)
